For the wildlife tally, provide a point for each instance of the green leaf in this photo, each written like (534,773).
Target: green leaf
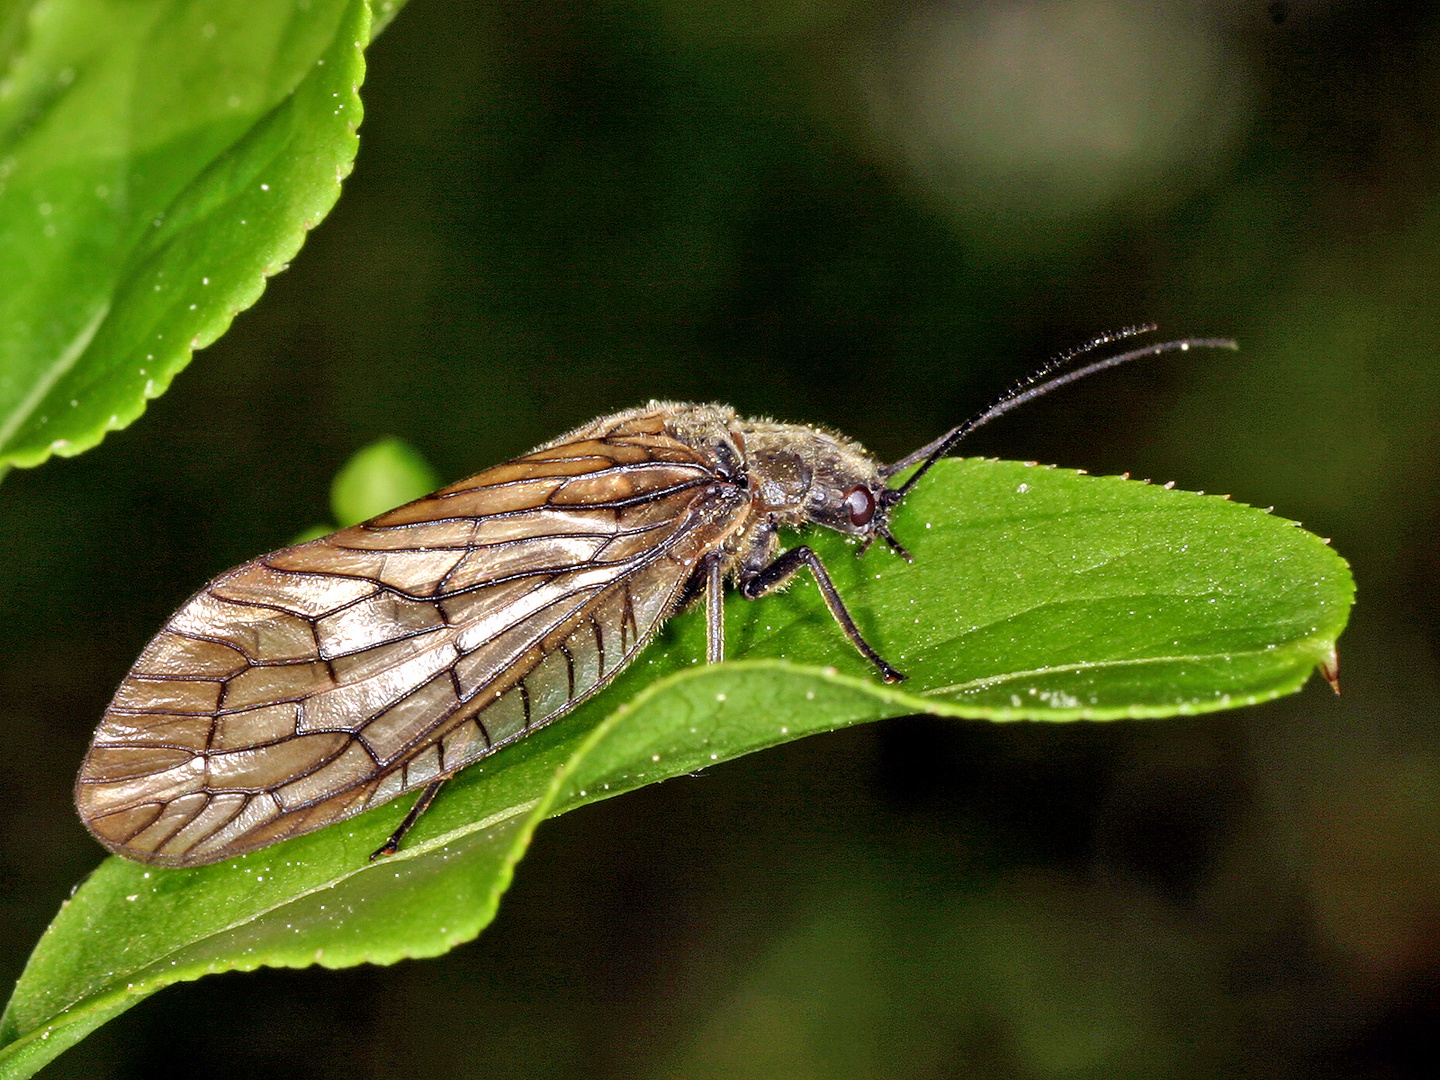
(383,475)
(1035,593)
(158,161)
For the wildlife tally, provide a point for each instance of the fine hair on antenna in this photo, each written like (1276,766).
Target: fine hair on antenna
(1035,385)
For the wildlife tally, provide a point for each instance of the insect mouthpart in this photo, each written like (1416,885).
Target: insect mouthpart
(321,680)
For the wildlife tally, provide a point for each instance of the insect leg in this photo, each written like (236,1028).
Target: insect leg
(714,613)
(755,583)
(421,805)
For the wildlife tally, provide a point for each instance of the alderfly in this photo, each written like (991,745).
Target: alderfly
(324,679)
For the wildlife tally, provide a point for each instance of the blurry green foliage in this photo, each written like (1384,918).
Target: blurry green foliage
(378,478)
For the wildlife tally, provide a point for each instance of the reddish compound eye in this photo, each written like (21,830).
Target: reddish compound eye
(861,505)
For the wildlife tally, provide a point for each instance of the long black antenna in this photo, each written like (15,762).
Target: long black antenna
(1032,387)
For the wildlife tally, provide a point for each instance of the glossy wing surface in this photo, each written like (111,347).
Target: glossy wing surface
(326,678)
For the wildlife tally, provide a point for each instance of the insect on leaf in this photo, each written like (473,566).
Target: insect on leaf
(999,547)
(325,679)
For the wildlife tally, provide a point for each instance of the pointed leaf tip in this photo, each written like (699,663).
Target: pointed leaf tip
(1330,668)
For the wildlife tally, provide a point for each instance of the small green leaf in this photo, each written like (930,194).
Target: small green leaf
(1035,593)
(383,475)
(387,473)
(157,162)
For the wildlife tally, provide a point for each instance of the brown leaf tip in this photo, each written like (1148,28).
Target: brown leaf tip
(1330,668)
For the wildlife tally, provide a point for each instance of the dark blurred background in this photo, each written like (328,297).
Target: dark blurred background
(874,216)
